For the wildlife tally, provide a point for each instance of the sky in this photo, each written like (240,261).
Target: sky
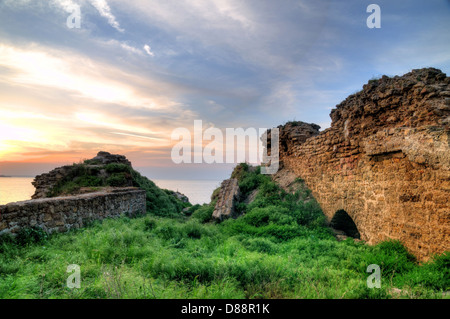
(136,70)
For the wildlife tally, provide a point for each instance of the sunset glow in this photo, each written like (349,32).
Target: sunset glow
(135,71)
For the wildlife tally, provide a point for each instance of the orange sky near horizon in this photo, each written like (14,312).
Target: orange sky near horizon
(134,71)
(35,128)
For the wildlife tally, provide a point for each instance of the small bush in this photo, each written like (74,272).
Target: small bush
(250,182)
(159,203)
(262,245)
(391,256)
(167,232)
(193,230)
(31,235)
(258,217)
(92,162)
(192,209)
(215,194)
(88,181)
(149,224)
(117,180)
(117,168)
(434,274)
(240,171)
(204,213)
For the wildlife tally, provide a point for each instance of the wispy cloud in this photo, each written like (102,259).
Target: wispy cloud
(148,50)
(80,75)
(105,11)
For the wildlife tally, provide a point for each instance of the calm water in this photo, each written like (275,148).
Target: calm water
(198,192)
(14,189)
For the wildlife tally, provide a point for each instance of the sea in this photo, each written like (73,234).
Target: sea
(16,189)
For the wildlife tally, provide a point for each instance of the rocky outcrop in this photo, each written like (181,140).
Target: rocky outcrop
(227,199)
(63,213)
(105,158)
(295,133)
(95,167)
(385,160)
(45,182)
(103,171)
(181,197)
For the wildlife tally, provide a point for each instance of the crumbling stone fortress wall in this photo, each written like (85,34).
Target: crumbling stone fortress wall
(385,160)
(63,213)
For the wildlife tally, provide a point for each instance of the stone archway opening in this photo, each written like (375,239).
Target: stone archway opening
(343,222)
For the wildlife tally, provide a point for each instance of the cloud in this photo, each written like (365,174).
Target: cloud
(89,101)
(263,34)
(148,50)
(83,77)
(130,48)
(122,45)
(105,11)
(67,5)
(135,135)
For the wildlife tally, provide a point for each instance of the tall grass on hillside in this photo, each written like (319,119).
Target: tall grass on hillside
(279,248)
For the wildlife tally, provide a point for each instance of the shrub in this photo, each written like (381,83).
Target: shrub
(192,209)
(167,232)
(117,168)
(434,274)
(117,180)
(92,162)
(158,201)
(204,213)
(251,181)
(392,257)
(215,194)
(262,245)
(88,181)
(149,224)
(31,235)
(258,216)
(240,171)
(193,230)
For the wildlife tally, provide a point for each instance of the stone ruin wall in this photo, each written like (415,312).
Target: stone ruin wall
(60,214)
(385,160)
(45,182)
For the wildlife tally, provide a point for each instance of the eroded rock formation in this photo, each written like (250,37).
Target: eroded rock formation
(105,158)
(227,198)
(385,160)
(44,183)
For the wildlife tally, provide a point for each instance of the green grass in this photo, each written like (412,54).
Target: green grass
(158,257)
(279,249)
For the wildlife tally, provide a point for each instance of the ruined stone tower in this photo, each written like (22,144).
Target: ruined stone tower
(385,160)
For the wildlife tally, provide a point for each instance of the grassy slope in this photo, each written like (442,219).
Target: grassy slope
(279,249)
